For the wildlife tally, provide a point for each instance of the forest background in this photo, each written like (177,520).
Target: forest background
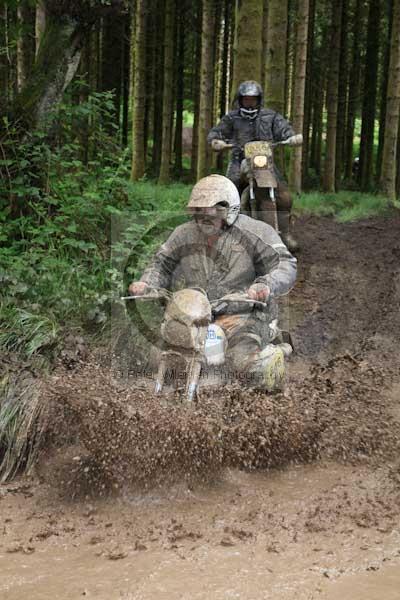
(105,109)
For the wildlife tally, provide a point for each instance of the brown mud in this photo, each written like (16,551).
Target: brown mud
(296,495)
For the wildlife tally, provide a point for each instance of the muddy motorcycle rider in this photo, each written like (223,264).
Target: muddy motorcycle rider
(222,251)
(252,122)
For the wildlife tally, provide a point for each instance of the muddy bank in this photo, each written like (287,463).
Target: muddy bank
(345,325)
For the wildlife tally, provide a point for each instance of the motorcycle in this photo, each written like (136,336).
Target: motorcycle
(258,199)
(189,335)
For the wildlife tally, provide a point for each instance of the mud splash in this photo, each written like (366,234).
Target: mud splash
(131,438)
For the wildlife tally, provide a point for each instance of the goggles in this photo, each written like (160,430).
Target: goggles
(213,212)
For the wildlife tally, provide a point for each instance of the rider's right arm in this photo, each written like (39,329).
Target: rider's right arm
(160,271)
(222,131)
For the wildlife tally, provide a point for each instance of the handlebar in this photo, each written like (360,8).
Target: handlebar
(294,140)
(237,297)
(160,294)
(163,294)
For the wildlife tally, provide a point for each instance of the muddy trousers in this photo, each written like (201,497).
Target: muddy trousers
(283,198)
(256,360)
(244,336)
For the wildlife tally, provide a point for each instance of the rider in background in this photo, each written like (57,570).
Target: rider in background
(248,123)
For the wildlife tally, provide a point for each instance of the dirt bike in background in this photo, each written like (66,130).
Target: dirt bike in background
(258,199)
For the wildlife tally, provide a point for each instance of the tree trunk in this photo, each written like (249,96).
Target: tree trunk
(196,94)
(132,41)
(390,157)
(180,90)
(84,75)
(4,61)
(369,103)
(290,59)
(247,53)
(318,90)
(139,93)
(299,90)
(164,176)
(276,59)
(307,94)
(152,83)
(26,43)
(125,74)
(223,98)
(206,87)
(159,86)
(398,164)
(56,64)
(383,91)
(342,97)
(224,91)
(354,88)
(275,76)
(40,23)
(332,98)
(264,42)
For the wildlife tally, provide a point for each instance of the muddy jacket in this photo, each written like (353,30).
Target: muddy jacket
(248,252)
(267,126)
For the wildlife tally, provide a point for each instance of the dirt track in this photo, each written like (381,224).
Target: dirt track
(324,524)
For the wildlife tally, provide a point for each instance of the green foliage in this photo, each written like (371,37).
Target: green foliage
(73,233)
(344,206)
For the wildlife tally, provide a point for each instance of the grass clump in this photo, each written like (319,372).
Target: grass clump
(344,206)
(22,423)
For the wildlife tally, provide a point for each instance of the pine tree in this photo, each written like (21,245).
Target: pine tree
(299,88)
(247,52)
(369,97)
(276,57)
(332,97)
(390,157)
(342,96)
(275,75)
(206,87)
(168,91)
(354,87)
(139,94)
(26,42)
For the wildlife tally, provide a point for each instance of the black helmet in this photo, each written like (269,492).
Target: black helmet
(249,88)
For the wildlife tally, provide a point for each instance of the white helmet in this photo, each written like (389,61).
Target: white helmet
(213,190)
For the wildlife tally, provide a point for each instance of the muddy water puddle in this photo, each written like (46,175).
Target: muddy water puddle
(252,536)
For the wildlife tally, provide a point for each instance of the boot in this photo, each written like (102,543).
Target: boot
(269,366)
(284,227)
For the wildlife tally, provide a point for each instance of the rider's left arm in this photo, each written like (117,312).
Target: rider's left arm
(281,128)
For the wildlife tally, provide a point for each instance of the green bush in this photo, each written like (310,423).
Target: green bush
(82,229)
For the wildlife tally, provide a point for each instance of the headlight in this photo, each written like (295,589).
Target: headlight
(260,161)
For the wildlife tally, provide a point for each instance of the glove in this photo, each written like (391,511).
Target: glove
(218,145)
(137,288)
(294,140)
(259,291)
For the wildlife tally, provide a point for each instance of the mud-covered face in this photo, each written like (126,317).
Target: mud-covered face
(210,220)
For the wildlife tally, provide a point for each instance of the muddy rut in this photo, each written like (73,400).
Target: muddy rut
(247,497)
